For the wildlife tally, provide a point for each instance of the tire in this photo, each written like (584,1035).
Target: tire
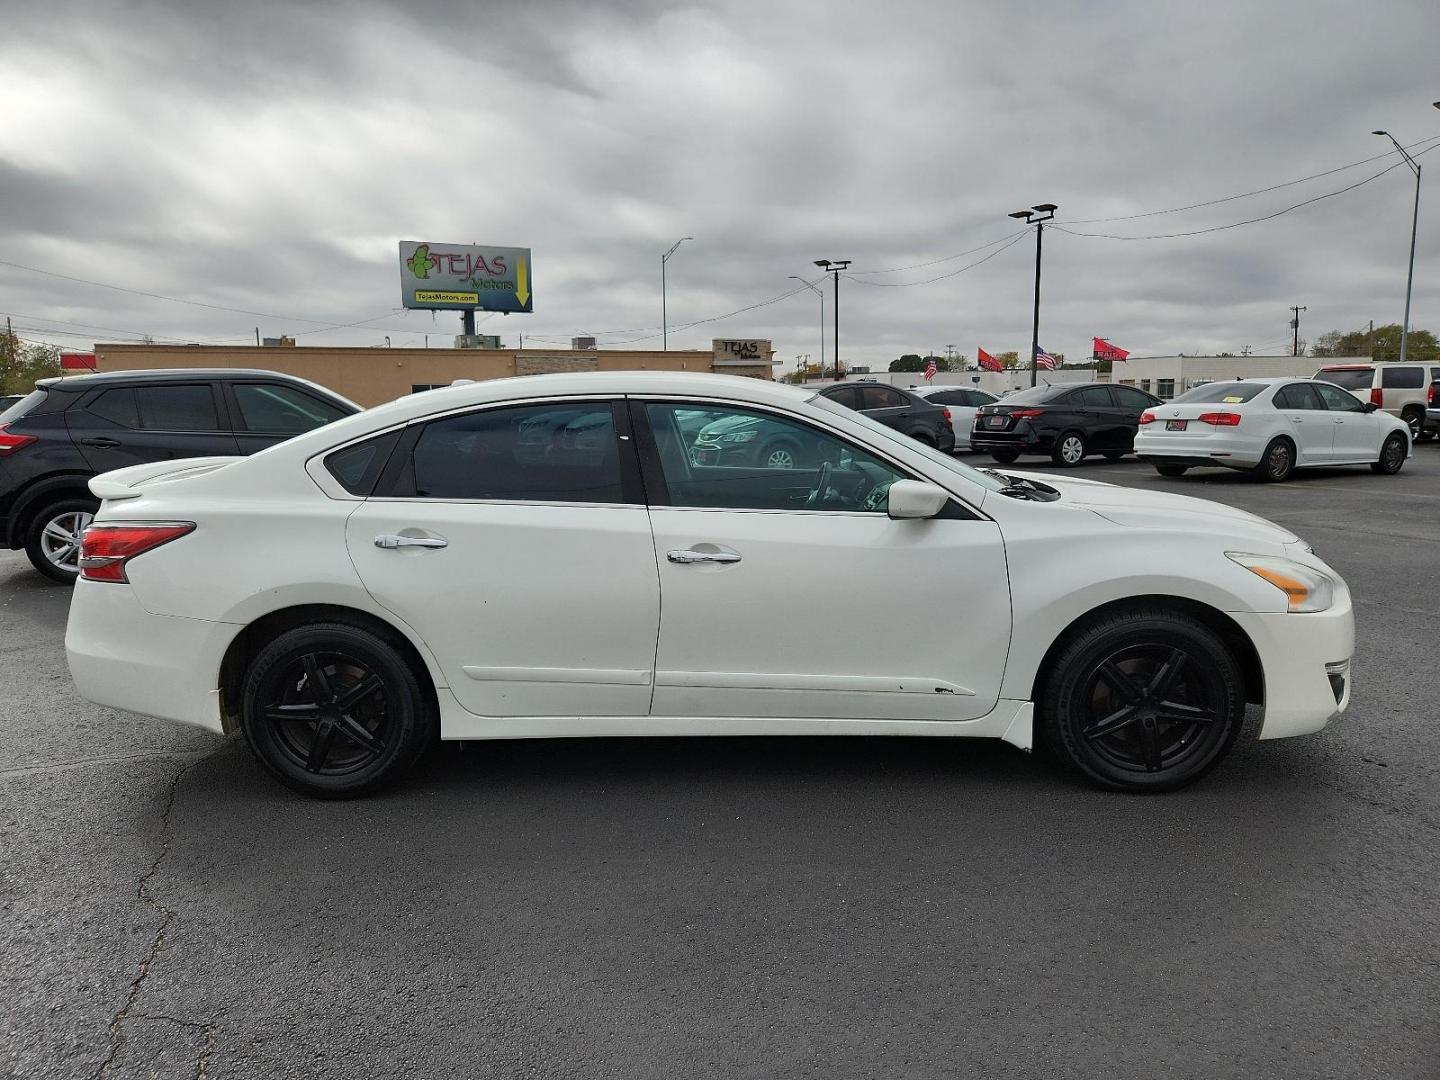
(1005,457)
(1172,470)
(52,537)
(1276,464)
(1415,417)
(1070,450)
(1116,711)
(924,437)
(781,454)
(1392,456)
(304,722)
(1114,455)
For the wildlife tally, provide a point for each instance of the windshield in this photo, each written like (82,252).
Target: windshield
(1349,378)
(1231,393)
(890,435)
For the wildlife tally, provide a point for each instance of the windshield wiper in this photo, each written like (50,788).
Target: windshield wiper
(1018,487)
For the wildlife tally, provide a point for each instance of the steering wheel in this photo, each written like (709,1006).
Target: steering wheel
(822,484)
(877,497)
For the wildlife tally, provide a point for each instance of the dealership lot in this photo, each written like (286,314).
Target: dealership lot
(741,907)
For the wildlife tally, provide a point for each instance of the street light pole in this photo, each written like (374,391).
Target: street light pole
(1414,228)
(821,294)
(1037,215)
(664,312)
(833,267)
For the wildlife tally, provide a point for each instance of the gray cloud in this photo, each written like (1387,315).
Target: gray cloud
(268,156)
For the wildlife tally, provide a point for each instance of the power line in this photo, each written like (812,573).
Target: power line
(935,262)
(941,277)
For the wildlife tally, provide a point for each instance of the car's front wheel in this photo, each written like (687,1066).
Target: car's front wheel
(52,540)
(1143,700)
(1392,456)
(333,710)
(1005,457)
(1172,470)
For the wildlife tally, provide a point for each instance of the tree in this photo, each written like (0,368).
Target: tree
(1008,360)
(1386,344)
(908,362)
(22,363)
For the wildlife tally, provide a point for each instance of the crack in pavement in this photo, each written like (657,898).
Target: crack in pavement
(142,892)
(81,763)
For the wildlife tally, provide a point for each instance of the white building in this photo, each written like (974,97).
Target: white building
(1166,376)
(997,382)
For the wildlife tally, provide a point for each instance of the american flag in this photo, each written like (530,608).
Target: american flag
(930,369)
(1044,360)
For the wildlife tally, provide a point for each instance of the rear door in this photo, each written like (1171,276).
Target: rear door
(1304,418)
(886,404)
(1131,403)
(1097,417)
(270,412)
(133,425)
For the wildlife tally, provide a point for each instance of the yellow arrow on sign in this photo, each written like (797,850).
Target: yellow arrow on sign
(522,282)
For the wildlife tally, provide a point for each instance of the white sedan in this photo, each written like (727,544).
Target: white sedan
(963,402)
(541,557)
(1270,427)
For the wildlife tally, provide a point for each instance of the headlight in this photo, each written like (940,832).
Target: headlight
(1306,589)
(739,436)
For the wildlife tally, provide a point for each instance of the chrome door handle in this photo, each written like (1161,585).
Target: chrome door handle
(679,556)
(389,540)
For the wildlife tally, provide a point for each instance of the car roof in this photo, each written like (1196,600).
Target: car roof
(78,383)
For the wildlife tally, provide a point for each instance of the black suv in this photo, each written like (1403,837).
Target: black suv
(53,440)
(908,413)
(1066,421)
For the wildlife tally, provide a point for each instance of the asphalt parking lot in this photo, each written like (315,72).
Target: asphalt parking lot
(708,908)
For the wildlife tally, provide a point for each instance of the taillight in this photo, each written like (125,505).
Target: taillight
(1430,395)
(106,549)
(1377,396)
(946,413)
(1147,417)
(10,442)
(1027,414)
(1220,419)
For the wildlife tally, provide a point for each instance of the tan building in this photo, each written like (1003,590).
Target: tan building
(372,376)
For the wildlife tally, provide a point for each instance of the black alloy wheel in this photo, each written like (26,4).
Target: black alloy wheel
(1276,464)
(1148,700)
(1392,456)
(333,710)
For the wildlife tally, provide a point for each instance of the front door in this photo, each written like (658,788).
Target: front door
(1356,431)
(791,593)
(515,541)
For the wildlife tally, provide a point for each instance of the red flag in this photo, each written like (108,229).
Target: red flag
(1105,351)
(988,362)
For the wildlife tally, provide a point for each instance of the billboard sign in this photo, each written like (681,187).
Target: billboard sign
(742,352)
(461,277)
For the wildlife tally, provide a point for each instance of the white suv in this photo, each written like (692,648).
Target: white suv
(1398,389)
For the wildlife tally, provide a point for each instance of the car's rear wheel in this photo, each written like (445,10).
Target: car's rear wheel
(1147,700)
(1114,455)
(52,540)
(1069,450)
(1277,463)
(1005,457)
(1172,470)
(1392,456)
(780,455)
(333,710)
(1414,415)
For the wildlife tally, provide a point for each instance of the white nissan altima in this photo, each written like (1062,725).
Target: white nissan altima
(544,557)
(1270,428)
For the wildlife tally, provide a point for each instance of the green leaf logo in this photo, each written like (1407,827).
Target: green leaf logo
(420,263)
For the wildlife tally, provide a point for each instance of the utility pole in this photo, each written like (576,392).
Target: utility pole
(257,336)
(664,312)
(833,267)
(1295,327)
(1037,215)
(1414,228)
(821,295)
(950,355)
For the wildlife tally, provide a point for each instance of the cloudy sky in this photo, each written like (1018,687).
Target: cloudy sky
(267,157)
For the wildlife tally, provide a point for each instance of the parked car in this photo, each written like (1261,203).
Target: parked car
(1398,389)
(962,401)
(903,410)
(1432,411)
(1271,427)
(68,430)
(417,570)
(1067,421)
(6,400)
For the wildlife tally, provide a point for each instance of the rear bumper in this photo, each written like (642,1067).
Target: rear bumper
(123,657)
(1209,449)
(1306,662)
(1025,441)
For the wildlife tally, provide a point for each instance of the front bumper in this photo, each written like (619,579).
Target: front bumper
(123,657)
(1306,663)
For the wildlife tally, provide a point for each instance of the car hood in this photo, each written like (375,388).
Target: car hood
(1141,509)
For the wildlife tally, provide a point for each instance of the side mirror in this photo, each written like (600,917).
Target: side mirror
(1370,406)
(910,499)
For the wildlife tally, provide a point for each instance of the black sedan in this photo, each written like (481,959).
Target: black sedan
(907,413)
(1066,421)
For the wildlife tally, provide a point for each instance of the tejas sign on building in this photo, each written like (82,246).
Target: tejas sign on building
(464,277)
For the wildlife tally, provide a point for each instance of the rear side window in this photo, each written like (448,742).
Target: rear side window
(949,397)
(358,467)
(561,452)
(1229,392)
(282,410)
(1402,378)
(1349,378)
(1090,395)
(1130,398)
(849,396)
(117,406)
(881,397)
(1297,396)
(177,408)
